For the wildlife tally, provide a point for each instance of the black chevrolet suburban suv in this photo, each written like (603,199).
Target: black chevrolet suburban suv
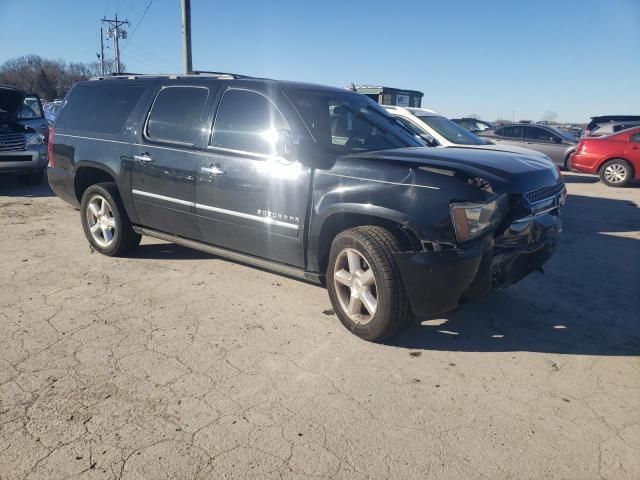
(309,181)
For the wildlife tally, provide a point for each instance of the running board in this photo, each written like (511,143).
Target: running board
(270,265)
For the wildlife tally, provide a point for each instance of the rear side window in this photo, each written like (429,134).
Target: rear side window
(100,109)
(245,122)
(510,132)
(176,113)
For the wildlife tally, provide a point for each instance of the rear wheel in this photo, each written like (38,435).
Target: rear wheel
(105,221)
(616,173)
(364,283)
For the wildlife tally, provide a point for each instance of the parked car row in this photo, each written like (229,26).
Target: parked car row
(609,145)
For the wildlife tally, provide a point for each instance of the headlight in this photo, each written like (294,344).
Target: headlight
(471,220)
(34,139)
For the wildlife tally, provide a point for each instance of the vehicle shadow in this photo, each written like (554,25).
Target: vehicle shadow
(586,178)
(587,303)
(10,187)
(168,251)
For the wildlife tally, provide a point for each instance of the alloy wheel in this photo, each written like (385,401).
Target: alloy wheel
(100,221)
(615,173)
(355,286)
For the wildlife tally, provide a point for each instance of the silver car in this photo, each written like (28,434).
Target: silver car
(554,143)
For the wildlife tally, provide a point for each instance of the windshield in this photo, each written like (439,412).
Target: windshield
(452,131)
(345,122)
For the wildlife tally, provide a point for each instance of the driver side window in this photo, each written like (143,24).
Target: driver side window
(247,121)
(540,134)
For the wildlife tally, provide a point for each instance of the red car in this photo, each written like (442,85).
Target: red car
(616,157)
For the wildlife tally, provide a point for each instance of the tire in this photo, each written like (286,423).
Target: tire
(365,249)
(34,178)
(616,173)
(102,208)
(567,163)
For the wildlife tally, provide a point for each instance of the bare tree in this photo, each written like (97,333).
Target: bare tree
(549,116)
(50,79)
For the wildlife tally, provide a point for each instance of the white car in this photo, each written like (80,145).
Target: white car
(439,131)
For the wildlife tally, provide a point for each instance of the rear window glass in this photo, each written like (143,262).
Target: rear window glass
(102,109)
(176,114)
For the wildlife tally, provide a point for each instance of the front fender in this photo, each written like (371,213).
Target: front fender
(355,213)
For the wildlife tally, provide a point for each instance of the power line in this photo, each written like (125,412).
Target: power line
(133,2)
(138,24)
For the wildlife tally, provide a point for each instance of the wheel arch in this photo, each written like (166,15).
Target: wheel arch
(87,174)
(343,217)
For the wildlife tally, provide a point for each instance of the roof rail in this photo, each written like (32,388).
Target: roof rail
(127,75)
(206,72)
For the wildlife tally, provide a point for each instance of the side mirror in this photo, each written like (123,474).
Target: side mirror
(556,139)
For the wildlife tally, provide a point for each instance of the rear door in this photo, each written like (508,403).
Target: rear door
(165,160)
(547,142)
(511,134)
(248,199)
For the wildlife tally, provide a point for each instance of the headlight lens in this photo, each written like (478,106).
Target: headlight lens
(471,220)
(34,139)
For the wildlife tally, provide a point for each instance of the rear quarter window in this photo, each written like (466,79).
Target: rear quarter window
(102,109)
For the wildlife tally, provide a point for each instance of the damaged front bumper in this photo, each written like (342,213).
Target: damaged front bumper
(439,281)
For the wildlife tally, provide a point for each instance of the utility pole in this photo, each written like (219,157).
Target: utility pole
(116,32)
(101,51)
(186,36)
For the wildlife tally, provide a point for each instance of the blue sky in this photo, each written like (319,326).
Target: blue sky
(493,58)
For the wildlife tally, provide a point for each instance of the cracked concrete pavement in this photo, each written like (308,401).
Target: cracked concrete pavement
(174,364)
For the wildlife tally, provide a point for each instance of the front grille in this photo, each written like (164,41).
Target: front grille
(15,158)
(10,142)
(536,196)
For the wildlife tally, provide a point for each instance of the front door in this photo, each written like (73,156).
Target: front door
(163,176)
(547,142)
(248,199)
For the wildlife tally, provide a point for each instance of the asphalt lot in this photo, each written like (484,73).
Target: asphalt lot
(176,364)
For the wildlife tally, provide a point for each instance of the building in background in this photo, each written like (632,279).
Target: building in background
(392,96)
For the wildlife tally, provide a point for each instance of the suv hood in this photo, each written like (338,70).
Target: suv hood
(10,102)
(506,172)
(507,148)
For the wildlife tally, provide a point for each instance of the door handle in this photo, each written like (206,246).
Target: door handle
(144,157)
(212,170)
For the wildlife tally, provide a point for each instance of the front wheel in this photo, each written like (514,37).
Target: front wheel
(616,173)
(105,221)
(364,283)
